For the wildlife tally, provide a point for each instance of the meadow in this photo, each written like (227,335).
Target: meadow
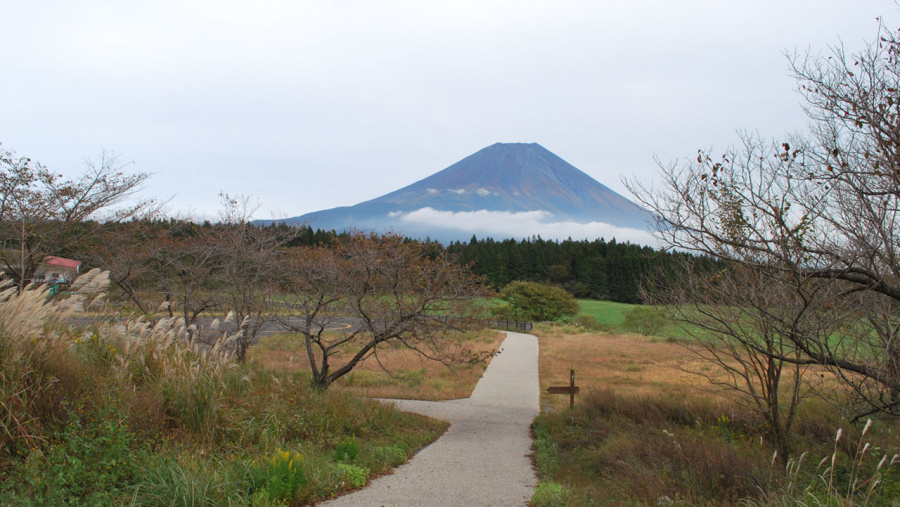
(646,432)
(129,413)
(606,313)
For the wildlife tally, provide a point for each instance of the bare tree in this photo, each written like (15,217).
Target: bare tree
(125,251)
(247,262)
(160,264)
(744,321)
(822,208)
(366,293)
(185,259)
(39,207)
(193,270)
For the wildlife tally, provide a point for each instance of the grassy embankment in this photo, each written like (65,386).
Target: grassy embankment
(644,432)
(132,415)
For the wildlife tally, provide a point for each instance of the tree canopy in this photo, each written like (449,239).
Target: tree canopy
(40,208)
(538,302)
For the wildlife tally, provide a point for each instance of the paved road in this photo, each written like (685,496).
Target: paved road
(482,460)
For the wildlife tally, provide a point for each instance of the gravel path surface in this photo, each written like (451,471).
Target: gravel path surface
(482,460)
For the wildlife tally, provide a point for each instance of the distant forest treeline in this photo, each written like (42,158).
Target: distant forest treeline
(597,269)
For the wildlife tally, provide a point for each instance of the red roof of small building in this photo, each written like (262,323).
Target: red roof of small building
(62,262)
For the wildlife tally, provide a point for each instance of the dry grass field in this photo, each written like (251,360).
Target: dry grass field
(646,432)
(411,375)
(628,364)
(643,432)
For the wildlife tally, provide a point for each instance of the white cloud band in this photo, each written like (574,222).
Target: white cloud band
(524,224)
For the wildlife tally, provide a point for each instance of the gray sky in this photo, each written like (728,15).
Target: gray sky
(308,105)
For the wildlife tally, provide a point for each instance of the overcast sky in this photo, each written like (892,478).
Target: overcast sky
(308,105)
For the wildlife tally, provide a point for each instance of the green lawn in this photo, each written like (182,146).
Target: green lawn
(606,312)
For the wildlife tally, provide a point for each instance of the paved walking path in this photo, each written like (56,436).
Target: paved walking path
(482,460)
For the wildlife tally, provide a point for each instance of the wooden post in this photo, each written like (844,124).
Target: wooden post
(570,389)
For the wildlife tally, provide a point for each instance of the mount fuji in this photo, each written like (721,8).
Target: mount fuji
(507,190)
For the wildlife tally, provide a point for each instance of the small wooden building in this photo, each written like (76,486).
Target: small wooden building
(57,270)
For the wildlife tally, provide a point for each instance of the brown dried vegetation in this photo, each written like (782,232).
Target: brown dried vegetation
(397,372)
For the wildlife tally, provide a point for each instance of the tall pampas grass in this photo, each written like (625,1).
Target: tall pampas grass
(861,488)
(40,342)
(34,337)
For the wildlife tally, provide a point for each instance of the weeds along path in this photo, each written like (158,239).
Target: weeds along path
(482,460)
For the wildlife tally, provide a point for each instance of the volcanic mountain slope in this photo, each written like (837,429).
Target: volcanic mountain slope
(511,183)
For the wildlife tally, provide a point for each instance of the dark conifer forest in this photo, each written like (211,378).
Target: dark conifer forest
(597,269)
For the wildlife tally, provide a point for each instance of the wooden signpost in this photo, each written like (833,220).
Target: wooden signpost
(570,389)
